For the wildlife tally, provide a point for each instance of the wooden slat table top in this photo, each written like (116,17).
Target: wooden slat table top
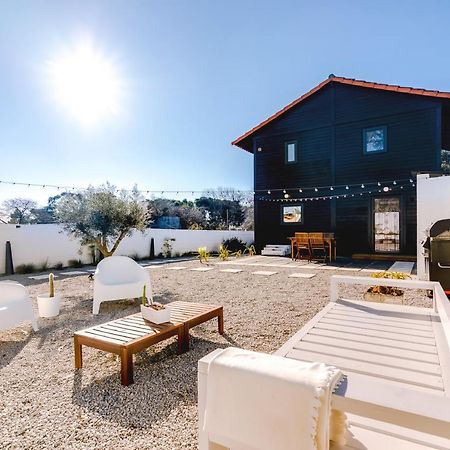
(132,329)
(392,343)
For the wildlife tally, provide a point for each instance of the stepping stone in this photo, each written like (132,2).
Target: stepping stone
(231,270)
(176,268)
(40,277)
(202,269)
(264,272)
(402,266)
(74,272)
(302,275)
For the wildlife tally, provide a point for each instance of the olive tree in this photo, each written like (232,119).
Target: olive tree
(102,216)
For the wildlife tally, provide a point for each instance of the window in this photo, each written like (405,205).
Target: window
(290,152)
(292,214)
(375,139)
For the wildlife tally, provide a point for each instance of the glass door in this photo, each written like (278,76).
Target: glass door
(387,224)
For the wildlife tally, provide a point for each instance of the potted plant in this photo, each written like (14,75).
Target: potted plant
(153,312)
(49,304)
(387,294)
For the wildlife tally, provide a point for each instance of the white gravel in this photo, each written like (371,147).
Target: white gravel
(46,404)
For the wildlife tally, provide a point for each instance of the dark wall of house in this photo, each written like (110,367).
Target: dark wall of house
(329,130)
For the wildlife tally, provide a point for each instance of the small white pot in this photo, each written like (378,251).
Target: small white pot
(156,316)
(48,306)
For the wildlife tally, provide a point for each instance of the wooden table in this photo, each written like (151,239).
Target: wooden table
(132,334)
(328,238)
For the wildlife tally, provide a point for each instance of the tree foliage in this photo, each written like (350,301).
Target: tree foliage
(20,210)
(102,216)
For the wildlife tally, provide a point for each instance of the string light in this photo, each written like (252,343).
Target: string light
(347,187)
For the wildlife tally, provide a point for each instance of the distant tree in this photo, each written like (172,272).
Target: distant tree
(221,214)
(102,216)
(190,215)
(249,220)
(20,210)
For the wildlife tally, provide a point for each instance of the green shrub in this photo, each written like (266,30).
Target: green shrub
(234,245)
(58,265)
(75,263)
(42,267)
(25,268)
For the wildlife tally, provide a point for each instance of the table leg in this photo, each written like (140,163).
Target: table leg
(78,353)
(126,367)
(185,338)
(180,340)
(220,320)
(334,250)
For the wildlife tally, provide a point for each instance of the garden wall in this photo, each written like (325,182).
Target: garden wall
(40,243)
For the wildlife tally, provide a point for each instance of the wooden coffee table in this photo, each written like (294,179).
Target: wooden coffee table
(132,334)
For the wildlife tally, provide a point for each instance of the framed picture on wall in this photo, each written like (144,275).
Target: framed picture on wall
(292,214)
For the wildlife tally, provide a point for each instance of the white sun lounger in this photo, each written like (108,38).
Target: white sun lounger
(397,364)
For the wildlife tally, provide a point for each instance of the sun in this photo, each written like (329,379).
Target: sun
(86,84)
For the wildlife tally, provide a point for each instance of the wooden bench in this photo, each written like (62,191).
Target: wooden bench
(132,334)
(396,360)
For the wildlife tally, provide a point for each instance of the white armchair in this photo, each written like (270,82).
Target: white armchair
(119,277)
(15,306)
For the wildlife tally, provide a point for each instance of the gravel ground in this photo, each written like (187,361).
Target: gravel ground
(46,404)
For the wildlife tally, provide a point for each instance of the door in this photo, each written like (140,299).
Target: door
(386,222)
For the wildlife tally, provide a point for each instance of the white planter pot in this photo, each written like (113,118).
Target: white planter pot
(48,306)
(156,316)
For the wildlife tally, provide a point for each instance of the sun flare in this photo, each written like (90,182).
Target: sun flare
(86,84)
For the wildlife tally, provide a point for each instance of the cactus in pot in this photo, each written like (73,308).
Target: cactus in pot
(51,285)
(49,304)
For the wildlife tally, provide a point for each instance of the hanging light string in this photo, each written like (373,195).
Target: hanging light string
(379,188)
(269,191)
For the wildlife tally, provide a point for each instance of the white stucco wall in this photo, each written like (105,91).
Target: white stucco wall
(39,243)
(433,203)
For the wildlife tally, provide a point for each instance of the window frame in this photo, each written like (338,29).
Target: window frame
(380,127)
(286,146)
(302,208)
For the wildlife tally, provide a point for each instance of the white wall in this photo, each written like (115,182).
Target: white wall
(433,203)
(40,243)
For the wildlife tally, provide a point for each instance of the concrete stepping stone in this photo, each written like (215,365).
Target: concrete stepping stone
(202,269)
(231,270)
(302,275)
(402,266)
(40,277)
(74,272)
(176,268)
(264,272)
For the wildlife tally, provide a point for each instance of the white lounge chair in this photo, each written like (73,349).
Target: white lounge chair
(15,306)
(119,277)
(397,364)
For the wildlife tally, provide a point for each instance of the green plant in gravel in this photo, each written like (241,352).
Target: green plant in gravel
(223,253)
(51,285)
(251,250)
(25,268)
(388,290)
(203,254)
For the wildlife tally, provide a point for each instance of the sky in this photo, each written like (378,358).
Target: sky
(176,81)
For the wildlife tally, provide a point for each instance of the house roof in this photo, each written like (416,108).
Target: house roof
(240,141)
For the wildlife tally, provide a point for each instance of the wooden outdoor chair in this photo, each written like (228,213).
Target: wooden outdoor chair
(303,250)
(318,247)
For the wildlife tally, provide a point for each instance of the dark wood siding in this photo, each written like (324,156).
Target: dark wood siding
(329,130)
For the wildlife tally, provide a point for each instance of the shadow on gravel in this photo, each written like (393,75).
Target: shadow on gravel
(10,349)
(163,381)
